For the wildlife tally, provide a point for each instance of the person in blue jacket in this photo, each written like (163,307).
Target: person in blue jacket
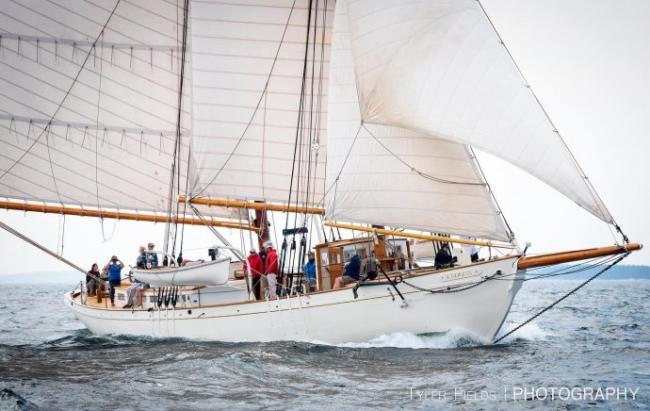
(114,269)
(351,272)
(310,270)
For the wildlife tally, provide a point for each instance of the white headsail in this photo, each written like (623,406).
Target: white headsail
(392,176)
(439,68)
(259,87)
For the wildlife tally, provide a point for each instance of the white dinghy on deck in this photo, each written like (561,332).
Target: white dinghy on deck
(214,272)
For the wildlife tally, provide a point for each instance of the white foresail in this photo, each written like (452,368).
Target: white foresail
(110,143)
(248,65)
(439,68)
(393,176)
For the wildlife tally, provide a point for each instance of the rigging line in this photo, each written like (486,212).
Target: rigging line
(189,153)
(591,264)
(312,132)
(320,98)
(259,101)
(81,68)
(217,234)
(99,96)
(565,296)
(415,170)
(51,163)
(264,144)
(41,247)
(345,160)
(599,203)
(511,233)
(175,174)
(300,124)
(187,183)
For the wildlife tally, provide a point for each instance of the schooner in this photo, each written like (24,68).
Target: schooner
(361,115)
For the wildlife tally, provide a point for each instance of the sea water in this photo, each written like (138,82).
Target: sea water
(591,351)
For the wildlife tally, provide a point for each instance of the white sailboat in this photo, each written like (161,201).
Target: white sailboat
(206,112)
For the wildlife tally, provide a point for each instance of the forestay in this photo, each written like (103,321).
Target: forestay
(111,141)
(250,139)
(392,176)
(438,67)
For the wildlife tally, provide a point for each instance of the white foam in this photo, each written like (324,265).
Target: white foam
(451,339)
(529,332)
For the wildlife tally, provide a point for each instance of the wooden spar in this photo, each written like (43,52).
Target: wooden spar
(252,205)
(418,235)
(121,215)
(576,255)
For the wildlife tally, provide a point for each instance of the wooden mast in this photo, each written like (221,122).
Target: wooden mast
(252,205)
(120,215)
(261,223)
(418,235)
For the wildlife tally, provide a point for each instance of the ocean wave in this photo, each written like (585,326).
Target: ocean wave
(85,339)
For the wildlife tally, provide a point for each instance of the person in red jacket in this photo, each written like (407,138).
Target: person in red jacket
(271,269)
(257,269)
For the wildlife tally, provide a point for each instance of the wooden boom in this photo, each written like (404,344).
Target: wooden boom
(252,205)
(569,256)
(120,215)
(417,235)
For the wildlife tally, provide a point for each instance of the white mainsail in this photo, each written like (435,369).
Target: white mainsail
(110,143)
(393,176)
(439,68)
(249,99)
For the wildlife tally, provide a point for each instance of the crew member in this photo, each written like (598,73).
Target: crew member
(351,272)
(141,261)
(114,268)
(271,269)
(152,256)
(443,257)
(256,270)
(310,270)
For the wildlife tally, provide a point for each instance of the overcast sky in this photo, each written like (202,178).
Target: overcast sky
(589,63)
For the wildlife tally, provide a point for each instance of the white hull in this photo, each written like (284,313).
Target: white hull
(333,316)
(208,273)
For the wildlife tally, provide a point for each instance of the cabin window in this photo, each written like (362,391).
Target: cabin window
(398,250)
(334,257)
(362,250)
(324,260)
